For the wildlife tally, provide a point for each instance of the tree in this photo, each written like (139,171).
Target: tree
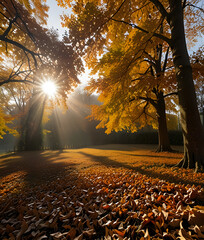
(31,53)
(197,61)
(145,80)
(18,28)
(93,25)
(5,124)
(15,97)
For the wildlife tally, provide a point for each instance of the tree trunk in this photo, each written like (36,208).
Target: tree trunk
(33,130)
(193,133)
(21,141)
(164,144)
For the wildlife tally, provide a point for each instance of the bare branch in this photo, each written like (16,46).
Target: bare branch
(192,5)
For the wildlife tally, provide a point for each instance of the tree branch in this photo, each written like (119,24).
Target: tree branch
(165,60)
(150,57)
(10,26)
(184,4)
(98,28)
(150,100)
(143,111)
(33,54)
(142,74)
(146,99)
(27,30)
(150,62)
(138,9)
(170,94)
(161,9)
(16,80)
(160,36)
(192,5)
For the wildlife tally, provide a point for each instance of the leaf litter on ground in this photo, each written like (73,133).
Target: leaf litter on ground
(104,200)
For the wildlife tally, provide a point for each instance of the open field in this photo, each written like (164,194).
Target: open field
(117,191)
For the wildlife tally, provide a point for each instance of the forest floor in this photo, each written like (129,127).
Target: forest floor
(101,192)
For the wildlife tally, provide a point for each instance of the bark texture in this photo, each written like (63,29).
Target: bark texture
(192,128)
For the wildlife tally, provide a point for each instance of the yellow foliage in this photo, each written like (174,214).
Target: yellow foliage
(5,121)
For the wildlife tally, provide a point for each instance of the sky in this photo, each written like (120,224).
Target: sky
(54,16)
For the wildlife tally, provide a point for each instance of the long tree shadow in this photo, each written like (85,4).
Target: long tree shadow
(106,161)
(150,155)
(7,155)
(125,147)
(38,166)
(134,147)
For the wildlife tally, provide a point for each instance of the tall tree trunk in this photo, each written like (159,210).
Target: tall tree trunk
(21,141)
(33,130)
(164,143)
(193,133)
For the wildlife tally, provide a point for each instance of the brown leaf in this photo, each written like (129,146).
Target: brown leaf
(184,235)
(72,233)
(24,227)
(42,237)
(58,235)
(175,223)
(196,217)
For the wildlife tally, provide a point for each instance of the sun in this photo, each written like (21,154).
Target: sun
(49,88)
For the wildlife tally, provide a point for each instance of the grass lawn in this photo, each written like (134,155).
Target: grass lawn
(110,191)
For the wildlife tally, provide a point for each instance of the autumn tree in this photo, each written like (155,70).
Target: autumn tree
(133,90)
(197,61)
(93,25)
(5,123)
(31,53)
(18,28)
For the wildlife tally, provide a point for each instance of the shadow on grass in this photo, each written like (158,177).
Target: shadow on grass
(7,155)
(38,166)
(150,155)
(106,161)
(125,147)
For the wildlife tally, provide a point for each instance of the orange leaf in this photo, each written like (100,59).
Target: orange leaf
(120,233)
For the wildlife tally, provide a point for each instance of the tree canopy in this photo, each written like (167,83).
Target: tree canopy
(133,89)
(28,48)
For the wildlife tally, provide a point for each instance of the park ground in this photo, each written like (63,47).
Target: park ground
(101,192)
